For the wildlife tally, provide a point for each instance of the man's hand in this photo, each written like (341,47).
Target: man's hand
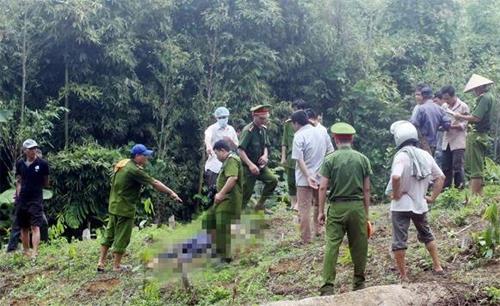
(313,183)
(396,196)
(219,197)
(176,197)
(254,169)
(283,161)
(321,218)
(429,199)
(262,160)
(210,152)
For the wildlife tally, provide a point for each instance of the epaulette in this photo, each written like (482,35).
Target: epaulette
(251,127)
(288,120)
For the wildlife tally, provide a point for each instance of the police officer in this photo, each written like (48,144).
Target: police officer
(254,152)
(346,172)
(228,199)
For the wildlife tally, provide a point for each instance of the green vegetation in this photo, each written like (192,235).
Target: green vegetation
(277,268)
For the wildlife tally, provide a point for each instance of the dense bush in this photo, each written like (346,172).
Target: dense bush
(80,179)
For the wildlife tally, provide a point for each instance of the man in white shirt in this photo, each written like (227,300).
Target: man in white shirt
(413,169)
(454,140)
(316,122)
(217,131)
(309,150)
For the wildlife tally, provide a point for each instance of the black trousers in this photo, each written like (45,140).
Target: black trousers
(453,167)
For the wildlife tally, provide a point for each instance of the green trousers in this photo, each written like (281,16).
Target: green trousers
(345,217)
(475,152)
(118,233)
(266,176)
(218,225)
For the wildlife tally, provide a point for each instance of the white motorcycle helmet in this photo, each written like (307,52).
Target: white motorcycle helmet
(403,131)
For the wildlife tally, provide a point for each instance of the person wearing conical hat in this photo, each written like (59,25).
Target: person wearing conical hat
(477,139)
(254,153)
(346,173)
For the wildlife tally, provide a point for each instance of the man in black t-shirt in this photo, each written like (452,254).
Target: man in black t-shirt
(32,174)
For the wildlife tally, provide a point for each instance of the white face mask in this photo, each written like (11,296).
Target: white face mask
(222,122)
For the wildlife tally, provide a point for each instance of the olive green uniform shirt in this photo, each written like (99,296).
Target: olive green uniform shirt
(287,141)
(231,167)
(483,111)
(126,184)
(346,170)
(253,140)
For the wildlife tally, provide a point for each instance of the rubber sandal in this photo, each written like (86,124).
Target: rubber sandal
(438,273)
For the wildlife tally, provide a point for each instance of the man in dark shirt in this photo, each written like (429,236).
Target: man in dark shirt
(32,174)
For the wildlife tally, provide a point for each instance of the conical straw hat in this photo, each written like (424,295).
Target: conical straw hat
(475,81)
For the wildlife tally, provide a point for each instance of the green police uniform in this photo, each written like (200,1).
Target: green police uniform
(220,216)
(126,183)
(478,139)
(346,170)
(253,140)
(287,141)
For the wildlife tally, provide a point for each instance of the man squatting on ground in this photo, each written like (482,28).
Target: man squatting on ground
(346,172)
(228,200)
(126,183)
(412,171)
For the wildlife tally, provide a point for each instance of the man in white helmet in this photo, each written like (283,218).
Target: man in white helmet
(413,169)
(217,131)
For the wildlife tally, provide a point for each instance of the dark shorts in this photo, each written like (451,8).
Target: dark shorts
(30,214)
(400,225)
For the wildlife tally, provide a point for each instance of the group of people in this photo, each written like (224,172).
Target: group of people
(442,121)
(316,173)
(434,146)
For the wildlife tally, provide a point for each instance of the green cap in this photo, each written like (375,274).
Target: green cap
(263,108)
(342,128)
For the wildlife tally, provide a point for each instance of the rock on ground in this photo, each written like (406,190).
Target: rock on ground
(432,293)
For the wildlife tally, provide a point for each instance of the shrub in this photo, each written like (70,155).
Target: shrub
(80,178)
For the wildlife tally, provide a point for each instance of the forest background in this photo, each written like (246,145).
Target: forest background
(85,79)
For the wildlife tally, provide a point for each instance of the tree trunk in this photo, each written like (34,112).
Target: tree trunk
(66,105)
(24,57)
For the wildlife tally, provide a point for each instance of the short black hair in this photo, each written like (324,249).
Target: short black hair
(299,104)
(300,117)
(221,145)
(426,92)
(420,86)
(311,114)
(449,90)
(438,94)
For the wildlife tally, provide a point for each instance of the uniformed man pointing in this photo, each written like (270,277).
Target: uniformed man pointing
(346,172)
(254,153)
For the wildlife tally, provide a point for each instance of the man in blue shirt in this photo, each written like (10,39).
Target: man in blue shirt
(427,119)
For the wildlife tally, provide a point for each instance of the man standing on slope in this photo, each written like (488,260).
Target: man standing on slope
(346,172)
(413,169)
(127,180)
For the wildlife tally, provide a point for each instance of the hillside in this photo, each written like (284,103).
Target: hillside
(277,269)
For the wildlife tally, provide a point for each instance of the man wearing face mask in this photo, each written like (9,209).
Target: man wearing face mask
(220,130)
